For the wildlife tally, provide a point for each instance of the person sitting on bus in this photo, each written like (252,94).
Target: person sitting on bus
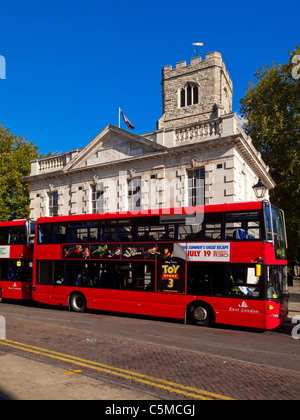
(17,239)
(235,289)
(145,237)
(239,234)
(82,278)
(59,281)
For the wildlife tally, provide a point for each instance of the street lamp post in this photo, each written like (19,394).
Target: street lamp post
(259,189)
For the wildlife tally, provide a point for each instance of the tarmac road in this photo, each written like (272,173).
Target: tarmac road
(158,358)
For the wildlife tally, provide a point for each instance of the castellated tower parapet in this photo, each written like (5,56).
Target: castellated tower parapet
(196,92)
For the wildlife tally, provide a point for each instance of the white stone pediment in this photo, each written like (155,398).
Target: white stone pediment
(112,145)
(114,150)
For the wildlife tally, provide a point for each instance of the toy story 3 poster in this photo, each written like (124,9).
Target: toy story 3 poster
(170,259)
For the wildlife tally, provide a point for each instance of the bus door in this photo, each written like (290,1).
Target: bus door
(16,279)
(245,305)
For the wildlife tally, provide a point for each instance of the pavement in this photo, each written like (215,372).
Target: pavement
(22,378)
(294,301)
(27,379)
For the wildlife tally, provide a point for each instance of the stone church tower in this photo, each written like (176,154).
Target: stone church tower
(196,92)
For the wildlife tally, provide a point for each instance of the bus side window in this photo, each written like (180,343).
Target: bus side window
(4,236)
(16,235)
(189,232)
(59,233)
(243,282)
(117,231)
(169,233)
(242,226)
(3,269)
(44,272)
(45,233)
(210,229)
(206,279)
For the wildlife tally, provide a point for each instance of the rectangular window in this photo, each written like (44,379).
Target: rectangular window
(242,226)
(13,235)
(3,269)
(98,198)
(4,236)
(149,229)
(128,276)
(53,203)
(44,272)
(134,194)
(206,279)
(16,235)
(20,273)
(196,187)
(117,230)
(82,232)
(240,281)
(243,283)
(59,273)
(210,229)
(59,233)
(150,233)
(107,275)
(45,233)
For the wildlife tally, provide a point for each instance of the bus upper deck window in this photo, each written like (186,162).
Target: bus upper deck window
(242,226)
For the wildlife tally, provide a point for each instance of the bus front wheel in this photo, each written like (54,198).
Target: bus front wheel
(77,302)
(201,314)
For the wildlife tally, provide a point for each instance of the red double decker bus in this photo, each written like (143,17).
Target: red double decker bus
(16,255)
(219,263)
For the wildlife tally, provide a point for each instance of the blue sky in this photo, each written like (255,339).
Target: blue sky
(70,64)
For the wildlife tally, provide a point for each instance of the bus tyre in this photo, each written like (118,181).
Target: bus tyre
(77,302)
(201,314)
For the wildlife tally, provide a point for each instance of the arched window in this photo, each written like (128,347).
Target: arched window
(189,95)
(195,94)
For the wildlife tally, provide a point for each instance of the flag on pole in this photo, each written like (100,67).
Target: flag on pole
(127,122)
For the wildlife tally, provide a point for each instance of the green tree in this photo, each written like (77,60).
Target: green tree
(15,156)
(272,111)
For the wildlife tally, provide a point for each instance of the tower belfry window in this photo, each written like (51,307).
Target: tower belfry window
(195,94)
(189,95)
(182,98)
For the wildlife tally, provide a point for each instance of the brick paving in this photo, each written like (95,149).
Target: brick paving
(234,379)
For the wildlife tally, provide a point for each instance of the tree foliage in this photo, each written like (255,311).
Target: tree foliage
(15,156)
(272,110)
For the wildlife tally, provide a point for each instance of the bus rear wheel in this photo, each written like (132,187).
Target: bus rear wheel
(77,302)
(201,314)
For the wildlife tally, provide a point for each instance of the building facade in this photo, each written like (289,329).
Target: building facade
(198,154)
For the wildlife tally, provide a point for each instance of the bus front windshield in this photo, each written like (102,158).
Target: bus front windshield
(275,229)
(279,233)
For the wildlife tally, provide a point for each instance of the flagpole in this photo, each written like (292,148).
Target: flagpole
(119,117)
